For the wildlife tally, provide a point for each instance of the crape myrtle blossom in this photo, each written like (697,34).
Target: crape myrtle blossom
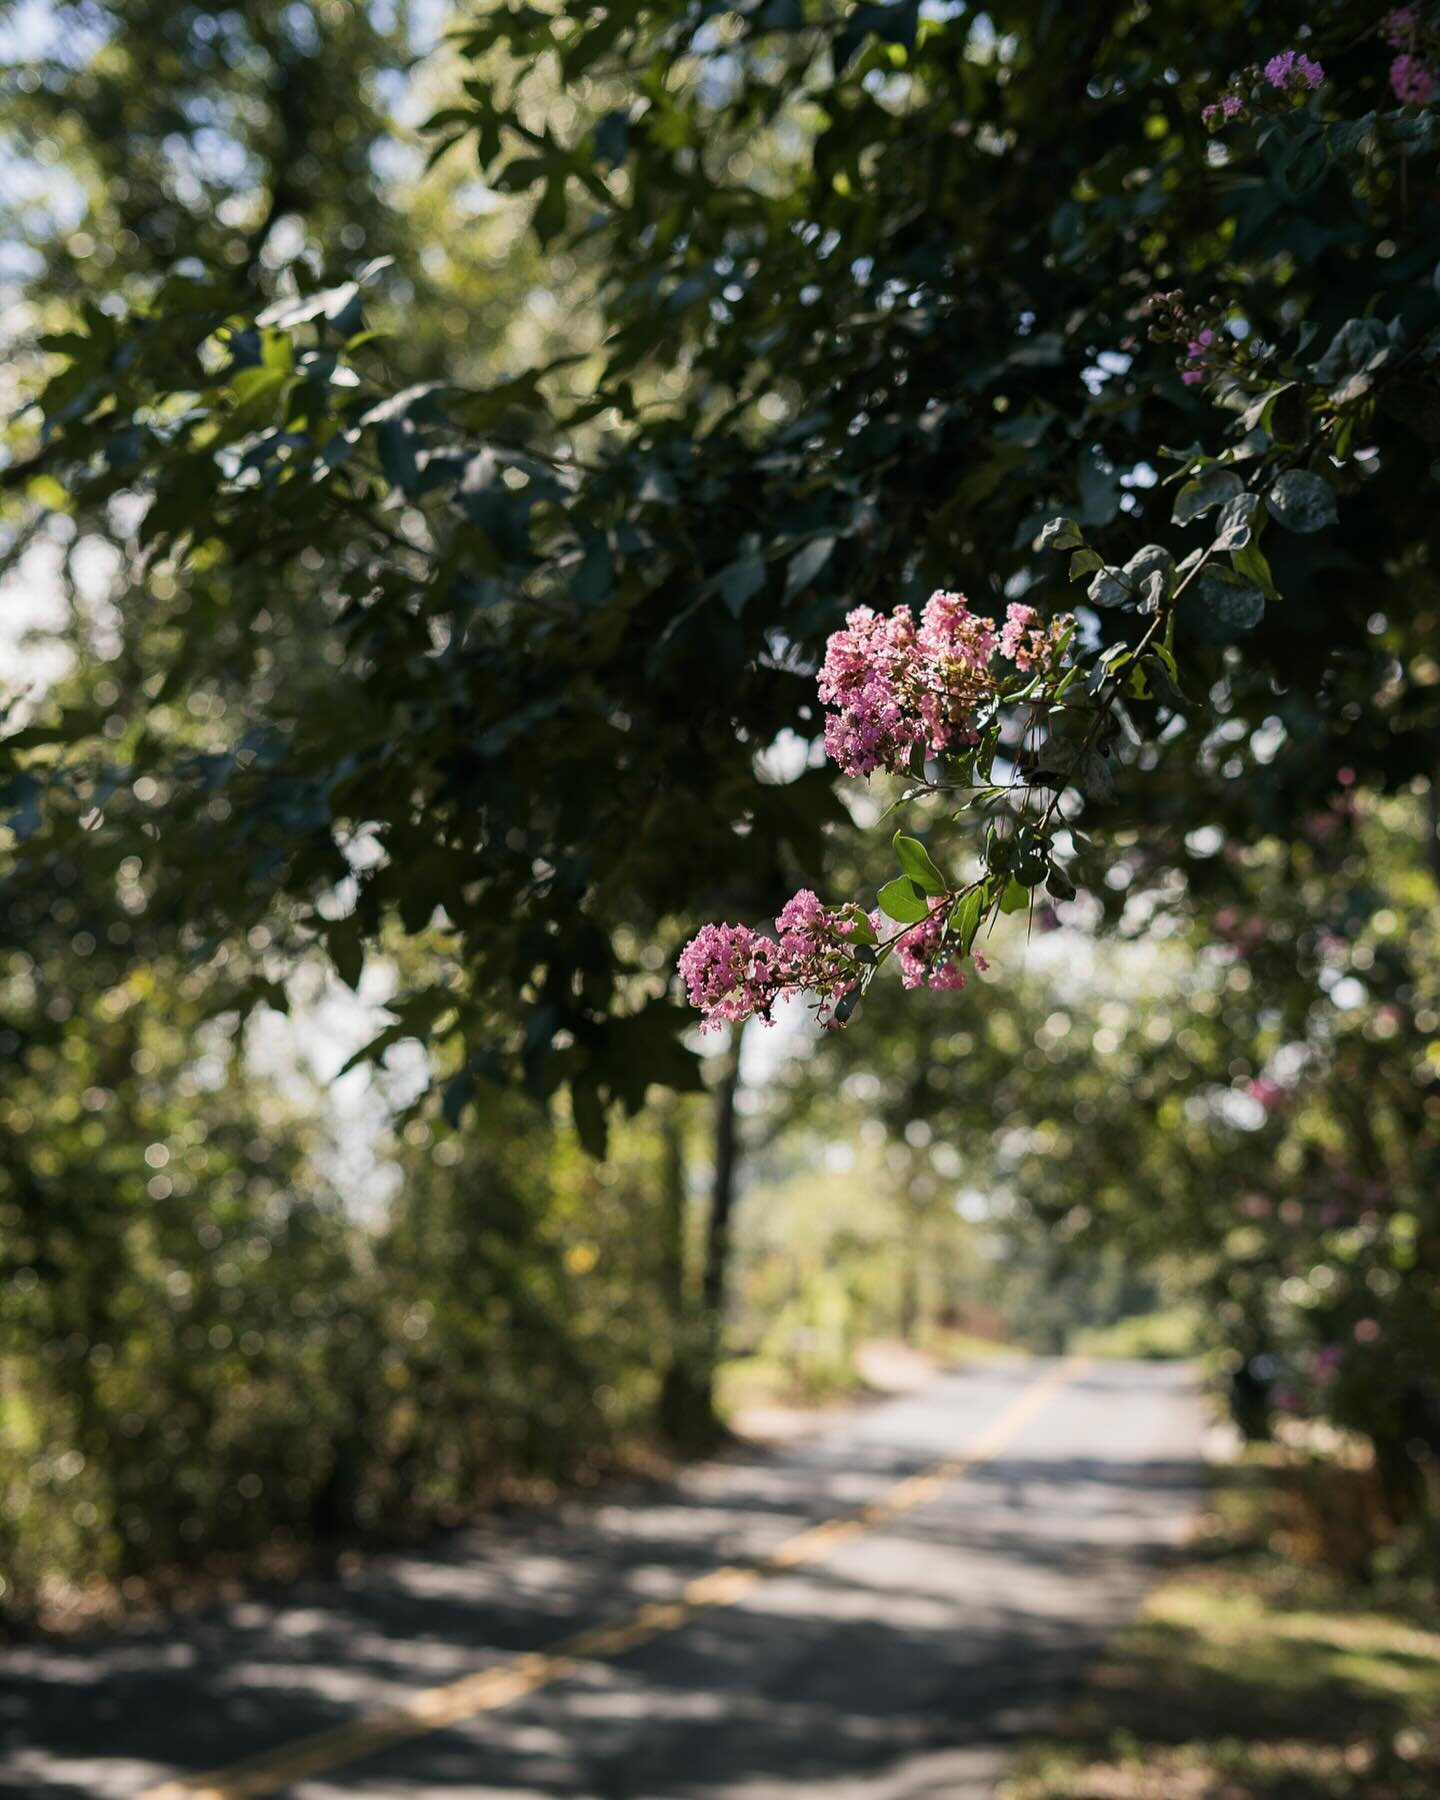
(1197,357)
(1400,27)
(732,973)
(1413,83)
(1414,78)
(892,688)
(1294,72)
(1209,348)
(1289,72)
(868,677)
(926,956)
(1229,106)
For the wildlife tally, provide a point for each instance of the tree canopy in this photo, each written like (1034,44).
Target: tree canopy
(875,287)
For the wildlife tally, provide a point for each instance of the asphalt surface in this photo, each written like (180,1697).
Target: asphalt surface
(899,1658)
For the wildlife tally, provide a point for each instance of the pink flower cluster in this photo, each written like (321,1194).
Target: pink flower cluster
(1218,112)
(1413,80)
(1400,27)
(1414,84)
(1197,357)
(894,688)
(923,955)
(732,973)
(1291,70)
(1027,641)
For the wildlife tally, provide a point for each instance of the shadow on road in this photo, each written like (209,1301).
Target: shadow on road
(946,1633)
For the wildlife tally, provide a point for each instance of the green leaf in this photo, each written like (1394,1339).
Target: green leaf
(966,915)
(346,944)
(459,1091)
(1094,777)
(548,219)
(915,862)
(1206,492)
(1085,562)
(861,930)
(1251,562)
(1060,534)
(1032,857)
(742,579)
(1230,597)
(1059,883)
(1235,528)
(251,385)
(806,564)
(1151,572)
(902,901)
(1015,898)
(46,491)
(1108,589)
(1302,502)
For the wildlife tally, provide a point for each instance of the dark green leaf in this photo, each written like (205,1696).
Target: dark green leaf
(1211,489)
(1302,501)
(915,862)
(1229,597)
(902,901)
(965,918)
(806,564)
(1060,534)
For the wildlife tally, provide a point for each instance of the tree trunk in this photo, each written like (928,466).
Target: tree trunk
(687,1414)
(722,1195)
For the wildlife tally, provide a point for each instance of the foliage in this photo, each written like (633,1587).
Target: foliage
(933,706)
(206,1355)
(847,254)
(1254,1669)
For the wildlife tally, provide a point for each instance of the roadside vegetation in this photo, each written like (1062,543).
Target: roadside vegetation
(1288,1656)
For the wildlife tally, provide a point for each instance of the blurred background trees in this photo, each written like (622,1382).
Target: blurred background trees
(428,646)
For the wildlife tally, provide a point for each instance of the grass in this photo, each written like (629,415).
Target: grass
(1254,1674)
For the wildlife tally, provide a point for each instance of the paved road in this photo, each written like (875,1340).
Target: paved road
(894,1657)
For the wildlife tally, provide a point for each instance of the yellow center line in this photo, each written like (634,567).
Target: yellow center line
(490,1689)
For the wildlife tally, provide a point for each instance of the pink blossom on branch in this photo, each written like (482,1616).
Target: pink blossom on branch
(921,953)
(1400,26)
(1413,83)
(892,689)
(869,678)
(731,973)
(1294,71)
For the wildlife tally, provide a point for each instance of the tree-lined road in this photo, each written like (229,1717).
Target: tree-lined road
(876,1612)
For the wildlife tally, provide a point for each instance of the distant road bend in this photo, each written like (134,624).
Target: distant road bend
(877,1612)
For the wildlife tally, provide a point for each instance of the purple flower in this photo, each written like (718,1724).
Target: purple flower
(1292,69)
(1414,84)
(921,954)
(730,973)
(1400,26)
